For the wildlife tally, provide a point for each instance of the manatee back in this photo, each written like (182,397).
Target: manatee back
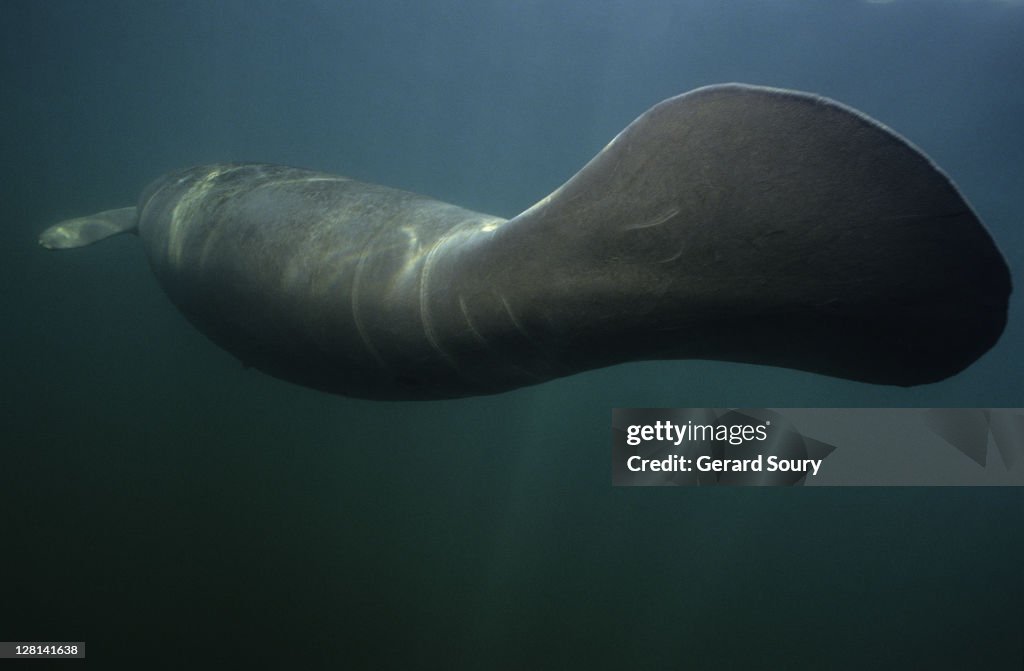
(313,278)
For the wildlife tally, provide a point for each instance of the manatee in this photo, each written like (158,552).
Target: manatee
(733,222)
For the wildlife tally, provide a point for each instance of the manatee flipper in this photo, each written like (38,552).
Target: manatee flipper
(84,231)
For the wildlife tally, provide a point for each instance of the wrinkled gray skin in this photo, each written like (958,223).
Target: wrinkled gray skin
(733,222)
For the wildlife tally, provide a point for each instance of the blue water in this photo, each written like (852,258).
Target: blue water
(156,499)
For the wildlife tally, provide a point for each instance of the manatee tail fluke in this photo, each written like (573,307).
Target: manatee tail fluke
(771,227)
(87,230)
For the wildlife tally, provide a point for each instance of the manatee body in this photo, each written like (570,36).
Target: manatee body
(733,222)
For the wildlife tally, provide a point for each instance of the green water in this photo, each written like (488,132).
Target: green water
(166,506)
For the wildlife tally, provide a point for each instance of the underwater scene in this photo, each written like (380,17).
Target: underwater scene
(210,460)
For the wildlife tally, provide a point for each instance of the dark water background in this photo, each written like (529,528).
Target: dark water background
(164,505)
